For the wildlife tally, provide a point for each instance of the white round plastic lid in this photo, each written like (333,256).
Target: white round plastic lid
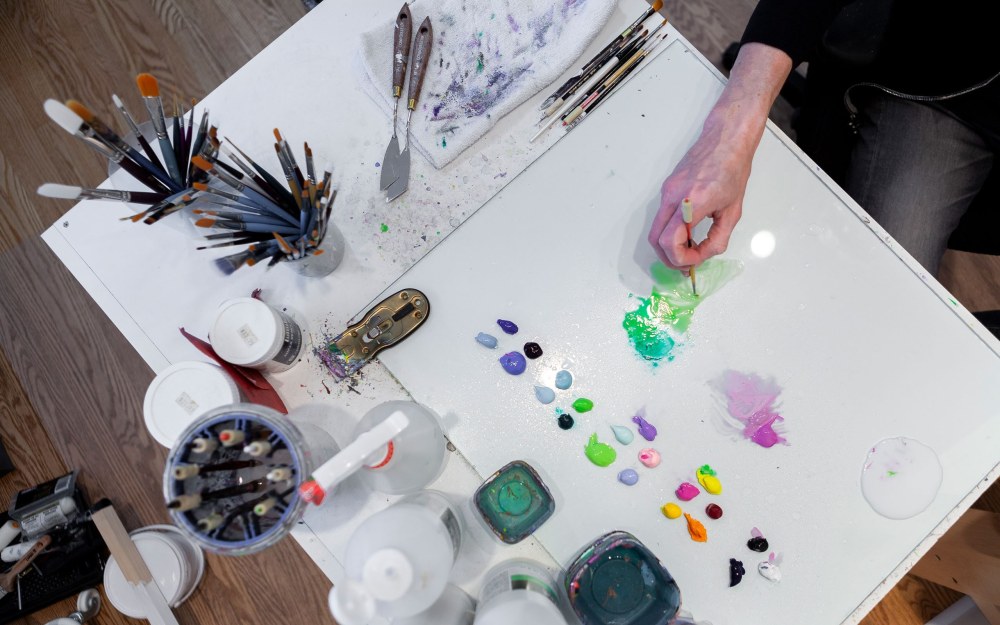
(519,606)
(163,563)
(183,392)
(387,574)
(245,332)
(351,604)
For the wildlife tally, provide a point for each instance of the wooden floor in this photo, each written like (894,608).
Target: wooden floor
(71,386)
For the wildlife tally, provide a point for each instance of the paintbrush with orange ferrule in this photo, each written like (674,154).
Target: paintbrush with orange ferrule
(273,185)
(150,90)
(252,196)
(687,214)
(156,216)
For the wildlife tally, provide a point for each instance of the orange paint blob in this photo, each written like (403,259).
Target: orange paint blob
(696,530)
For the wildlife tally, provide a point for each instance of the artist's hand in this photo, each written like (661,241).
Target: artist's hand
(714,179)
(714,172)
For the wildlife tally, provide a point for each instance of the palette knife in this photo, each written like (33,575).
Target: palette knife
(421,55)
(400,56)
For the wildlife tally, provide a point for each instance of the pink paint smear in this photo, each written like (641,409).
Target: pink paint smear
(750,402)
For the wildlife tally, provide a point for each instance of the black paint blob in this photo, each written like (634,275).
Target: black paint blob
(565,421)
(532,350)
(736,572)
(758,544)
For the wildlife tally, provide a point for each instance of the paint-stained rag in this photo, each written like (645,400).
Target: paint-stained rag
(487,58)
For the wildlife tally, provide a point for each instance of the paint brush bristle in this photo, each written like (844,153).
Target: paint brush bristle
(61,191)
(77,107)
(277,135)
(148,85)
(201,163)
(63,116)
(229,264)
(658,5)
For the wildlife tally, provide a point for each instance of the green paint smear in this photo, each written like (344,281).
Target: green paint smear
(583,405)
(384,228)
(444,142)
(479,64)
(599,453)
(658,323)
(892,473)
(706,470)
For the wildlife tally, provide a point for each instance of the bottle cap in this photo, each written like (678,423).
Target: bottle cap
(351,603)
(388,574)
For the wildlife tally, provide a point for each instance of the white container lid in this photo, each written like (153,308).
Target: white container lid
(183,392)
(519,606)
(246,331)
(163,563)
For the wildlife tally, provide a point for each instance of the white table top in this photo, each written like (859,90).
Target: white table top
(186,289)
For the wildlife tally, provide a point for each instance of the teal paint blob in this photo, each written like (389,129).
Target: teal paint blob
(619,580)
(514,502)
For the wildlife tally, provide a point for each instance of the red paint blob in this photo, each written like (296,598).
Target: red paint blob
(714,511)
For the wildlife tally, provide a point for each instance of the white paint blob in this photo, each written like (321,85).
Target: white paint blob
(762,244)
(901,477)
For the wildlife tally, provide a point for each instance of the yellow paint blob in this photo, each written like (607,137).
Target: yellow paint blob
(671,510)
(709,481)
(696,530)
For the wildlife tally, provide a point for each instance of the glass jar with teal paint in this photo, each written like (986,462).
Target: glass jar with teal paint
(618,581)
(514,502)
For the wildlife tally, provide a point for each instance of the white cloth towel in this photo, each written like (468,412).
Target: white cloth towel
(488,57)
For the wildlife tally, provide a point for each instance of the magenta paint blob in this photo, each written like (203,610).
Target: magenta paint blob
(750,402)
(687,491)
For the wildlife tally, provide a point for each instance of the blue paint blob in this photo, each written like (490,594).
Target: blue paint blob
(628,477)
(545,394)
(623,434)
(513,363)
(487,340)
(564,380)
(507,326)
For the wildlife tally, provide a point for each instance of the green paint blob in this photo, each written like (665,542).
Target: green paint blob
(892,473)
(444,142)
(583,405)
(480,66)
(706,470)
(599,453)
(384,228)
(656,326)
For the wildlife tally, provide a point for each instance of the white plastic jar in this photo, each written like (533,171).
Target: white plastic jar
(519,591)
(250,333)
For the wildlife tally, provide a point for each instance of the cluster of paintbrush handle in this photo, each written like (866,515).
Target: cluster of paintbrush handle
(602,75)
(395,176)
(230,482)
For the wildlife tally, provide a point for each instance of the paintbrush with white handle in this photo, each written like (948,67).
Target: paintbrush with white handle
(70,192)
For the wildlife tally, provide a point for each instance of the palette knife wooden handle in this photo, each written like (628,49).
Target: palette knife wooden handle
(421,56)
(401,49)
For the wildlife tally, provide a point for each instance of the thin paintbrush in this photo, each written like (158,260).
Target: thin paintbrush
(289,157)
(259,182)
(687,214)
(273,182)
(602,56)
(154,217)
(74,124)
(286,169)
(239,241)
(254,197)
(178,138)
(171,200)
(150,90)
(69,192)
(207,222)
(240,217)
(188,133)
(112,140)
(130,122)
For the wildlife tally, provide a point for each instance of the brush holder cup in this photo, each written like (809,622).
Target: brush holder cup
(331,253)
(232,479)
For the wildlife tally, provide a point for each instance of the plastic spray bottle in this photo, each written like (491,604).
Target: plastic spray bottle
(402,458)
(398,562)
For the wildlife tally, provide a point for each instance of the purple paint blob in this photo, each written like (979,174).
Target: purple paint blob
(750,402)
(687,491)
(513,363)
(508,327)
(628,477)
(646,429)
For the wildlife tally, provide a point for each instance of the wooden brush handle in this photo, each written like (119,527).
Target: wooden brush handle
(7,580)
(421,56)
(401,49)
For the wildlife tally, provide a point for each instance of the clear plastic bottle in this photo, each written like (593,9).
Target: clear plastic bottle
(398,562)
(519,592)
(453,607)
(415,456)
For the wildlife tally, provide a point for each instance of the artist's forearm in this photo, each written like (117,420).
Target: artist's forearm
(738,119)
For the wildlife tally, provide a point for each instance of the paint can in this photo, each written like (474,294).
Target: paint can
(413,459)
(323,264)
(183,392)
(398,561)
(294,449)
(176,566)
(250,333)
(519,591)
(454,607)
(617,580)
